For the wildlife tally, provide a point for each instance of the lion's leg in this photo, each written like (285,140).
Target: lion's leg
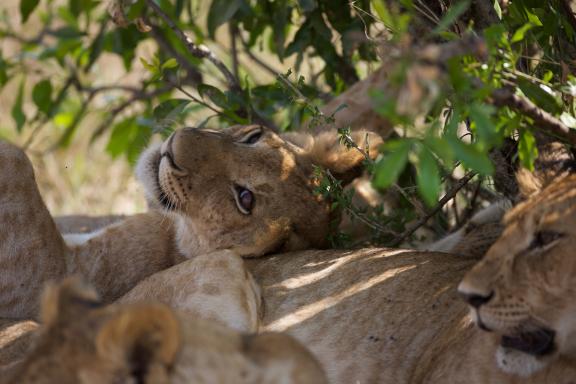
(31,248)
(216,286)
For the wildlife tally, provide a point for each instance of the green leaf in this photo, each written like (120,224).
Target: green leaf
(121,137)
(498,9)
(485,129)
(428,177)
(213,94)
(220,12)
(388,168)
(17,112)
(521,32)
(471,156)
(451,16)
(169,110)
(42,95)
(527,150)
(169,64)
(541,97)
(27,7)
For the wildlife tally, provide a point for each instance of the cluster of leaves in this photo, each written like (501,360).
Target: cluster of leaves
(57,68)
(444,122)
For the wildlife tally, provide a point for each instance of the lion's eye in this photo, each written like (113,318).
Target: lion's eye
(244,199)
(252,137)
(543,238)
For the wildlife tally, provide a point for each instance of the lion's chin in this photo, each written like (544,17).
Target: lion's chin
(147,172)
(525,353)
(515,362)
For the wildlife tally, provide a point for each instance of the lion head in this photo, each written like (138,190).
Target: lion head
(82,341)
(245,187)
(524,289)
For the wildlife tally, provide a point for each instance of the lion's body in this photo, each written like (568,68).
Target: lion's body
(387,316)
(83,342)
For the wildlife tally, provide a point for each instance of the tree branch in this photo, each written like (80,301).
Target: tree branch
(447,197)
(542,119)
(199,51)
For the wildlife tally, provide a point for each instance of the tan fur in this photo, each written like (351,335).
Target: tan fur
(199,183)
(151,343)
(393,316)
(533,284)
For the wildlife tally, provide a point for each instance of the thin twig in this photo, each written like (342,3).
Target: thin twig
(234,48)
(447,197)
(199,51)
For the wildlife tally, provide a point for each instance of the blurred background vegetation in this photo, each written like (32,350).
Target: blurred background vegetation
(87,84)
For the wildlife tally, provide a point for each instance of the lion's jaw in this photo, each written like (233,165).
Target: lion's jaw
(201,178)
(527,282)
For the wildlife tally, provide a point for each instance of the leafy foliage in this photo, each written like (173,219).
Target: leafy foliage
(443,111)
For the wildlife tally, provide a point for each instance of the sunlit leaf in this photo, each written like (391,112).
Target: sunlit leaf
(527,150)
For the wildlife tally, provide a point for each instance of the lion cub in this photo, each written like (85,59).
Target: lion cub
(82,341)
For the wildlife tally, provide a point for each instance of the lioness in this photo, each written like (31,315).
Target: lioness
(385,315)
(243,188)
(82,341)
(391,316)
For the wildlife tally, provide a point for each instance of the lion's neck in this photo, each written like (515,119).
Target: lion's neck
(188,241)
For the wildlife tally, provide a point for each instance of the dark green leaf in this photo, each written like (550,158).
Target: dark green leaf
(452,15)
(392,164)
(42,95)
(168,110)
(121,137)
(428,177)
(220,12)
(67,32)
(307,5)
(213,94)
(471,156)
(485,129)
(17,112)
(27,7)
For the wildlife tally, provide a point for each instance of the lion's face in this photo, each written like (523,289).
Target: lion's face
(244,188)
(524,290)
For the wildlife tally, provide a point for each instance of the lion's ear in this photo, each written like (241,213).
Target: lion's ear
(344,163)
(143,339)
(67,300)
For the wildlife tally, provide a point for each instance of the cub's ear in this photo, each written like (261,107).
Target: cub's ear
(141,341)
(344,163)
(66,301)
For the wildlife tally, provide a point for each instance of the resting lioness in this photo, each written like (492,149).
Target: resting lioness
(243,188)
(82,341)
(394,316)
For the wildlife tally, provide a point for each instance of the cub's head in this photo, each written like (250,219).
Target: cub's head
(524,289)
(82,341)
(245,187)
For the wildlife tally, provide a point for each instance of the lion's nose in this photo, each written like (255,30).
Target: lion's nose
(475,299)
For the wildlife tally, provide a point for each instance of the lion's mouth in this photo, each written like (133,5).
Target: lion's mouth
(539,342)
